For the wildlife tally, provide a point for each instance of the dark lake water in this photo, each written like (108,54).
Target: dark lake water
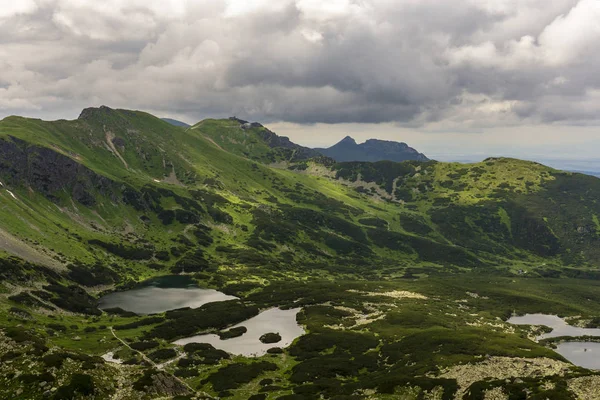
(162,294)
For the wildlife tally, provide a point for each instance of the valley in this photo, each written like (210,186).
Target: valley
(122,234)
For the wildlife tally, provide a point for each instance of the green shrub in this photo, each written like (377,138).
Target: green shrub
(143,346)
(232,333)
(234,375)
(216,315)
(162,355)
(80,385)
(270,337)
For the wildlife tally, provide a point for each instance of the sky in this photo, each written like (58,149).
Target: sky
(457,80)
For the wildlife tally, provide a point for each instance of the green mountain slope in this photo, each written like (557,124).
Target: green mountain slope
(117,176)
(175,122)
(252,140)
(119,196)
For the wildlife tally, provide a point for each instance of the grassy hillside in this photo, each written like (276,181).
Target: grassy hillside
(119,196)
(252,140)
(126,176)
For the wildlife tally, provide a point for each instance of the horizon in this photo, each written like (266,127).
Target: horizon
(499,78)
(427,143)
(299,199)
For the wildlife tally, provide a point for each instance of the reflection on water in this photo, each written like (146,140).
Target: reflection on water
(162,294)
(583,354)
(558,325)
(273,320)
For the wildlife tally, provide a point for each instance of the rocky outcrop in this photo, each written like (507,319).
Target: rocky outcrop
(283,142)
(49,172)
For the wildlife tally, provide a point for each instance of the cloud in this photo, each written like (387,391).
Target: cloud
(568,39)
(12,8)
(431,64)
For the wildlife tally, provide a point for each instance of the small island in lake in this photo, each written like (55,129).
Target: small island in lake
(270,337)
(232,333)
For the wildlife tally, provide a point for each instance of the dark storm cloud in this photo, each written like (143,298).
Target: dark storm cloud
(471,64)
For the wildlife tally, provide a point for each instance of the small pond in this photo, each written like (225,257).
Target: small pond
(583,354)
(162,294)
(273,320)
(559,326)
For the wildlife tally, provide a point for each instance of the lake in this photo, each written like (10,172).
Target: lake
(272,320)
(583,354)
(559,326)
(162,294)
(171,292)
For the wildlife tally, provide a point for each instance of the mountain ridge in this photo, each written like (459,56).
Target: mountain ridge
(176,122)
(401,270)
(371,150)
(137,149)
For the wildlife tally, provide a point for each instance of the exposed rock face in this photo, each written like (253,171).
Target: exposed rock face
(165,385)
(273,140)
(94,112)
(49,172)
(372,150)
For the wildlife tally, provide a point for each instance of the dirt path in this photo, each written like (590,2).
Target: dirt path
(160,366)
(213,142)
(109,138)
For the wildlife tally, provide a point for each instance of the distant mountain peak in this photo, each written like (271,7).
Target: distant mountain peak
(348,140)
(372,150)
(384,142)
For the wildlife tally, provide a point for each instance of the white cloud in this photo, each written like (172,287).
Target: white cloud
(431,64)
(9,8)
(240,8)
(569,38)
(573,36)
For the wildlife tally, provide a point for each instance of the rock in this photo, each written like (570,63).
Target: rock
(270,337)
(49,172)
(165,384)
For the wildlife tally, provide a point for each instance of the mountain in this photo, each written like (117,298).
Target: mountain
(113,171)
(253,140)
(175,122)
(405,273)
(372,150)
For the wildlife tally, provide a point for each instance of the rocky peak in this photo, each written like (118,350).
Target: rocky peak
(240,121)
(347,141)
(92,112)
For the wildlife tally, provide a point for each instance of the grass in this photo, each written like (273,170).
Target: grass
(460,235)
